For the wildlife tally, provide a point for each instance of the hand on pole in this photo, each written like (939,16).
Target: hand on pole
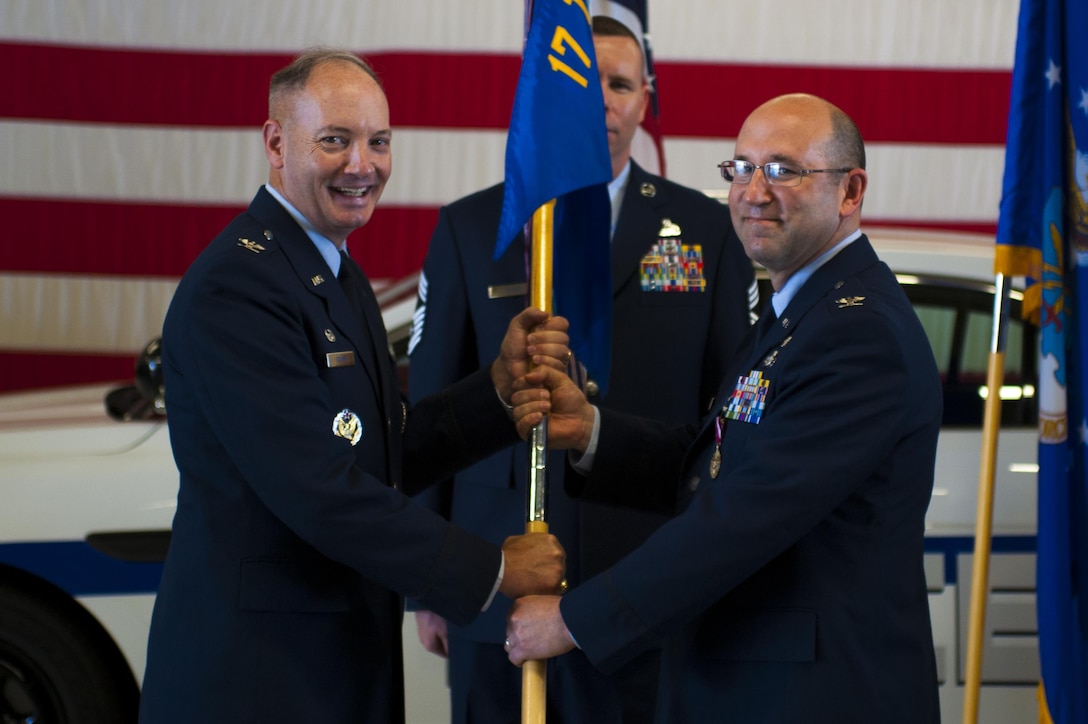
(535,630)
(533,339)
(535,563)
(546,390)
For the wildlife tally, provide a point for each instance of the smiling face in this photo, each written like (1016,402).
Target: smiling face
(626,94)
(784,228)
(329,148)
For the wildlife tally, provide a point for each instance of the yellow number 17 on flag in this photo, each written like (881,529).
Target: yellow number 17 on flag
(561,40)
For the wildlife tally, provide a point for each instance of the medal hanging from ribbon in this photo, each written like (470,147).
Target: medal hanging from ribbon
(716,456)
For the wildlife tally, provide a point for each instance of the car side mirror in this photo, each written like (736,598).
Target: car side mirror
(148,374)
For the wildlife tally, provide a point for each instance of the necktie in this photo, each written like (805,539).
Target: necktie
(350,285)
(766,322)
(368,314)
(363,302)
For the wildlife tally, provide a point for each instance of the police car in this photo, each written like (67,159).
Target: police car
(88,487)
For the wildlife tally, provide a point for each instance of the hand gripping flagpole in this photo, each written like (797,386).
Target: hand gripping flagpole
(534,673)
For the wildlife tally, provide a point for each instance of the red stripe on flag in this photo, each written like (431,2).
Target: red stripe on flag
(959,227)
(34,370)
(908,105)
(231,90)
(889,105)
(135,86)
(159,240)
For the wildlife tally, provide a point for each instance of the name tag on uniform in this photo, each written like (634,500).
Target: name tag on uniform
(501,291)
(340,359)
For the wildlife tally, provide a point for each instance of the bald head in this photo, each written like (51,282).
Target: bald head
(837,135)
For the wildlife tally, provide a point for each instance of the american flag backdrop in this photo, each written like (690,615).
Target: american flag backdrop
(130,130)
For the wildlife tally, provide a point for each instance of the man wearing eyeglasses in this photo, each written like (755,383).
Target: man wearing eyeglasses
(790,588)
(682,287)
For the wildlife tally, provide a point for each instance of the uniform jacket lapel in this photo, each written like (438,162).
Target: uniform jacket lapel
(367,336)
(382,356)
(847,263)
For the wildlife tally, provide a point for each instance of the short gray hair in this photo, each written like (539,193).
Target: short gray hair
(293,77)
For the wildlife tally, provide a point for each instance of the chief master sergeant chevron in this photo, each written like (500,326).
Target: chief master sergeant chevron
(790,588)
(294,539)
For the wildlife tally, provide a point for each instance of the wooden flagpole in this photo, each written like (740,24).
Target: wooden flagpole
(980,572)
(534,673)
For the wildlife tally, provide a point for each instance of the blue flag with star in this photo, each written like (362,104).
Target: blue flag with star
(557,148)
(1043,234)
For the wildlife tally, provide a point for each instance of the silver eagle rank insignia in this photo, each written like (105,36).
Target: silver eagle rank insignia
(250,244)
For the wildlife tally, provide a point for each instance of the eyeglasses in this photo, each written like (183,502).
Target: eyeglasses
(777,174)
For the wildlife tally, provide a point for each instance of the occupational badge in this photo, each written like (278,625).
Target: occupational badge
(346,424)
(844,302)
(670,265)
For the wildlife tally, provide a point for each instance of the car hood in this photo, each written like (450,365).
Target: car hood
(51,438)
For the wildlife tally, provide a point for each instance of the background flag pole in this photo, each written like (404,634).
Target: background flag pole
(980,572)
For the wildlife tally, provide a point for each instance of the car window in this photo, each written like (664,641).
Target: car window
(958,318)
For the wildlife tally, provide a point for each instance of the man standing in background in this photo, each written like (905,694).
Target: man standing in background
(682,294)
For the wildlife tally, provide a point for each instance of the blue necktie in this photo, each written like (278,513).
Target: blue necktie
(766,322)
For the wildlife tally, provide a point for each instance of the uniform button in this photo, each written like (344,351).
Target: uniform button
(693,484)
(592,388)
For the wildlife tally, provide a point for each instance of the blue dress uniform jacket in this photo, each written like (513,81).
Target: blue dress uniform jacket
(281,594)
(791,588)
(669,352)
